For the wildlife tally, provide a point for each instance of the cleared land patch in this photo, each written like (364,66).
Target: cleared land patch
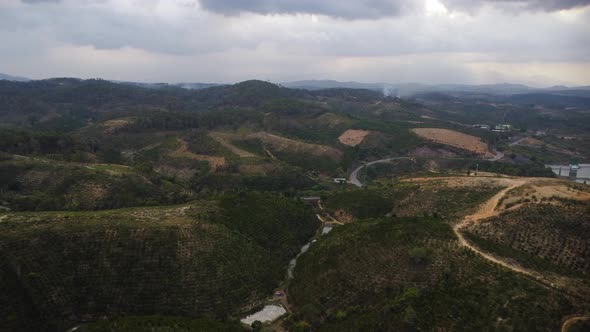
(543,190)
(280,143)
(225,140)
(454,138)
(111,126)
(353,137)
(184,152)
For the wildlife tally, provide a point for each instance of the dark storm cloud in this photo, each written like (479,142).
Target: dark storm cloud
(359,9)
(39,1)
(369,40)
(372,9)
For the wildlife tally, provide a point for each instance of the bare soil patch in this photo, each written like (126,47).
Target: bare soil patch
(353,137)
(532,141)
(454,138)
(536,191)
(462,181)
(112,126)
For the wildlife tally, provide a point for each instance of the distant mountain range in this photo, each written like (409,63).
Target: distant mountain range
(188,86)
(13,78)
(388,89)
(411,89)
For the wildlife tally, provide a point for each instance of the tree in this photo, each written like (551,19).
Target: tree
(418,254)
(256,325)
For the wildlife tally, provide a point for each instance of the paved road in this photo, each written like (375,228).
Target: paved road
(497,156)
(353,178)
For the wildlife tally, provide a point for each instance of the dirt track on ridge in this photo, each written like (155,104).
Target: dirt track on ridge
(487,210)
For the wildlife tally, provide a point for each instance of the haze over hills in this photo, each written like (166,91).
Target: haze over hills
(409,89)
(13,78)
(388,89)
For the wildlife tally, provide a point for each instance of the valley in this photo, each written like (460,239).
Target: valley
(258,207)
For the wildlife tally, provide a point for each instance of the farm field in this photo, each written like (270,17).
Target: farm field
(283,144)
(184,152)
(353,137)
(544,236)
(454,138)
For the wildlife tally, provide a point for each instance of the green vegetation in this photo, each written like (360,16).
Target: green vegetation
(579,326)
(361,203)
(204,260)
(37,185)
(80,147)
(539,236)
(286,180)
(392,170)
(408,199)
(369,271)
(278,224)
(161,324)
(531,169)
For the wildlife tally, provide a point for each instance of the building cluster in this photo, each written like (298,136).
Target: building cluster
(498,128)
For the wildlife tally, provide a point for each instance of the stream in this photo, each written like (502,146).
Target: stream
(271,312)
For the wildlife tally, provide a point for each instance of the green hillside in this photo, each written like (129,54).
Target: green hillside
(40,184)
(408,274)
(198,260)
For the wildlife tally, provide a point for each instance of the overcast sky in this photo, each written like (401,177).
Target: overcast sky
(535,42)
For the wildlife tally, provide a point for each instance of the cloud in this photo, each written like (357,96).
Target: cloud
(380,40)
(516,5)
(374,9)
(347,9)
(33,2)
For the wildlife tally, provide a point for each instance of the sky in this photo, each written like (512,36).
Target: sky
(533,42)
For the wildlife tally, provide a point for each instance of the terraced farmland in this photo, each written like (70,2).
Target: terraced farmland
(542,236)
(454,138)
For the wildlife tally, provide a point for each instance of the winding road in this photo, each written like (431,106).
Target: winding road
(353,178)
(487,210)
(568,323)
